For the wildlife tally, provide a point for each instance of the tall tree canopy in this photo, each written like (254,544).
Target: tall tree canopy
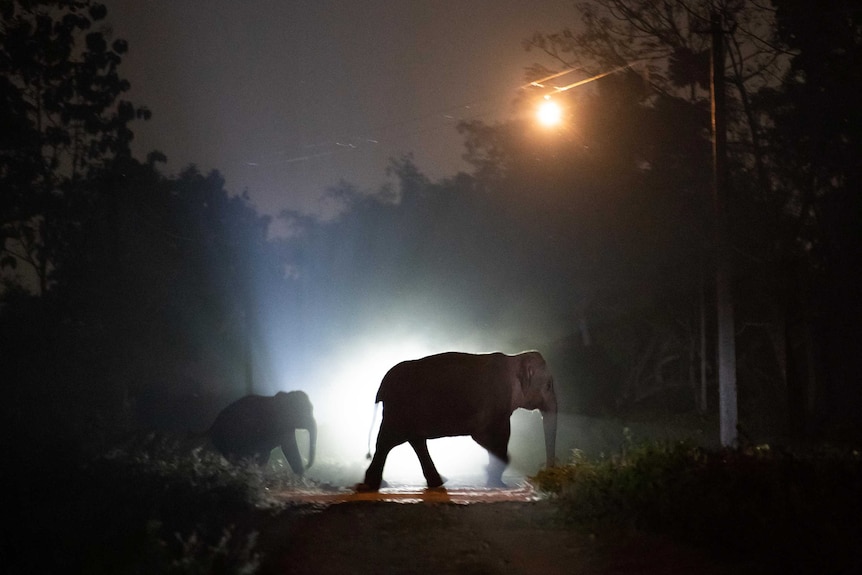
(794,204)
(63,122)
(817,142)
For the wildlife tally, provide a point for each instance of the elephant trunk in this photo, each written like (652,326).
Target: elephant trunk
(312,442)
(549,423)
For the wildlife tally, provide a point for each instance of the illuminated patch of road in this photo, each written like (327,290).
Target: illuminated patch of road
(463,496)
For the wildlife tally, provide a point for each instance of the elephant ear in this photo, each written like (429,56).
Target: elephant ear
(525,371)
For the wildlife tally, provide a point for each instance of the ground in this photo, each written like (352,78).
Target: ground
(447,535)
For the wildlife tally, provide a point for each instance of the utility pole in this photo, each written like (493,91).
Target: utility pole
(248,361)
(725,343)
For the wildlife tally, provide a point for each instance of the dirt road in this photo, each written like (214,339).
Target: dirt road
(449,533)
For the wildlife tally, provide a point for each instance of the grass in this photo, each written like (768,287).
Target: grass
(791,512)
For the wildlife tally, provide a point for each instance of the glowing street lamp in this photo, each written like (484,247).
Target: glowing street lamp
(549,113)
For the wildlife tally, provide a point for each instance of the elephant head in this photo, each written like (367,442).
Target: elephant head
(296,408)
(535,390)
(252,426)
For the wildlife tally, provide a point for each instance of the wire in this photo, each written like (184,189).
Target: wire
(343,144)
(354,143)
(593,79)
(540,82)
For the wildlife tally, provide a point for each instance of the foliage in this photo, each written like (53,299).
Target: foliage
(621,194)
(816,140)
(794,203)
(151,506)
(194,259)
(121,281)
(64,123)
(160,287)
(749,502)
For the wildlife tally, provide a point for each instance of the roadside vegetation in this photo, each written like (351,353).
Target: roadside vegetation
(150,507)
(778,510)
(155,506)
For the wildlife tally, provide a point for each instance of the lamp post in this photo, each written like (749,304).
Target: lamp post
(725,342)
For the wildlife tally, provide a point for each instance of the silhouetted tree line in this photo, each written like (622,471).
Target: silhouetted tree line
(119,282)
(149,324)
(129,295)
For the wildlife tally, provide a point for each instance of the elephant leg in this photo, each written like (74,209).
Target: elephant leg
(420,446)
(291,454)
(386,441)
(496,441)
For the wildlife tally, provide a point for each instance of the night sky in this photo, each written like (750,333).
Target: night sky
(288,98)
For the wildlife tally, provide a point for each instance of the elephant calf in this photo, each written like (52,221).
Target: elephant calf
(461,394)
(251,427)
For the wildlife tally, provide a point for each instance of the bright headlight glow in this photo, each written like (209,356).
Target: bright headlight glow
(345,405)
(549,113)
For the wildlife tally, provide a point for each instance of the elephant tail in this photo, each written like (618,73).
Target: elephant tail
(371,429)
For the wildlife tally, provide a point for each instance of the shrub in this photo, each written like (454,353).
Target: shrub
(159,509)
(798,508)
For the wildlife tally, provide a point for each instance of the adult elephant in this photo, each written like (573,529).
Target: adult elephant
(251,427)
(461,394)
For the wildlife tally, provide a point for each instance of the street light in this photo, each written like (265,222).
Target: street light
(549,112)
(725,343)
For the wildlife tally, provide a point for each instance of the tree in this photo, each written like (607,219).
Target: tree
(795,209)
(195,279)
(64,123)
(621,184)
(137,276)
(816,145)
(669,43)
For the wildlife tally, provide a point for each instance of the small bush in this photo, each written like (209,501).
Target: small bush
(795,508)
(159,509)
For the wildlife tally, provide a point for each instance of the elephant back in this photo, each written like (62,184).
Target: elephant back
(239,426)
(457,380)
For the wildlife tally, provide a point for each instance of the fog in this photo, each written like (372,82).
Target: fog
(424,268)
